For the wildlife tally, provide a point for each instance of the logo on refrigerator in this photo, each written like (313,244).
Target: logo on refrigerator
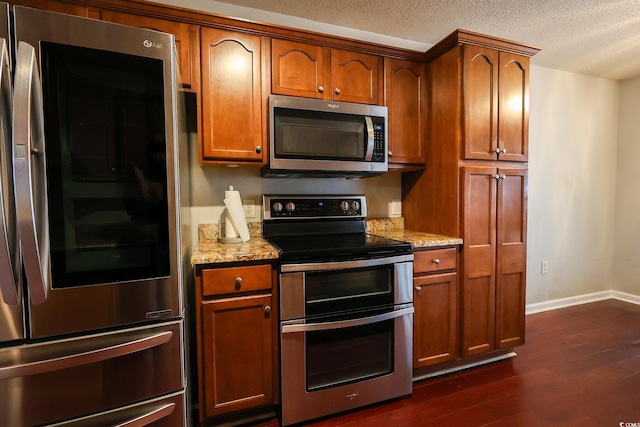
(149,43)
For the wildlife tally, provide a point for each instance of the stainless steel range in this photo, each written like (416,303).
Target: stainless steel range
(346,307)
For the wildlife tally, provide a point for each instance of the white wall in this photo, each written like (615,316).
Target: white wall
(626,260)
(572,183)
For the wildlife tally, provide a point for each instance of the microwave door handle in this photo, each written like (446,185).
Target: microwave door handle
(341,324)
(29,166)
(8,284)
(370,138)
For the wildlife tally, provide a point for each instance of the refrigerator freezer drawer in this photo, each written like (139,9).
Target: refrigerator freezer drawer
(67,379)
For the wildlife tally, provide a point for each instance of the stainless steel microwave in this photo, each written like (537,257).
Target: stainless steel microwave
(312,137)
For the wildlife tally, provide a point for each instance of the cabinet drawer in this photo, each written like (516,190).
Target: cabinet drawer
(434,260)
(236,279)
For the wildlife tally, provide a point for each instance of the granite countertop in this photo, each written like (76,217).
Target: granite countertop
(393,228)
(208,250)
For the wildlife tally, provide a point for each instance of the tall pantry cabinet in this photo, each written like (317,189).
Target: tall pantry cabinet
(474,185)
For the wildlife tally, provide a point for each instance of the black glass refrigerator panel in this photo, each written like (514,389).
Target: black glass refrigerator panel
(106,160)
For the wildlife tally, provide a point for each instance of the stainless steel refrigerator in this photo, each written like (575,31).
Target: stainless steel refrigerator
(92,257)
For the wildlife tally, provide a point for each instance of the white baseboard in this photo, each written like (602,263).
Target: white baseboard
(581,299)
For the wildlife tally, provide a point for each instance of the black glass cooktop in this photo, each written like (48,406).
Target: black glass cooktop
(337,246)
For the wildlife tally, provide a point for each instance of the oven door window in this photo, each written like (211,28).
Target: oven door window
(347,290)
(106,166)
(334,136)
(342,356)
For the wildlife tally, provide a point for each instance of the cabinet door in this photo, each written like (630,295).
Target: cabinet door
(434,320)
(180,30)
(298,69)
(480,103)
(237,354)
(513,133)
(60,7)
(405,93)
(355,76)
(511,257)
(232,96)
(479,251)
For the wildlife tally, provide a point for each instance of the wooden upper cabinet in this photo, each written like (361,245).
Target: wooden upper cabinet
(513,124)
(233,99)
(60,7)
(480,103)
(405,97)
(182,32)
(496,112)
(355,76)
(298,69)
(313,71)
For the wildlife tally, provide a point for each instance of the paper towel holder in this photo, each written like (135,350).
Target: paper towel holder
(222,232)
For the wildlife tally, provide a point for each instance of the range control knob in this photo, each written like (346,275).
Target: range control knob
(290,206)
(355,205)
(344,205)
(277,206)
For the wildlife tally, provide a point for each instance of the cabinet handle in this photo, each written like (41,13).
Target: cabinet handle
(267,309)
(418,288)
(337,91)
(436,261)
(321,89)
(238,283)
(259,149)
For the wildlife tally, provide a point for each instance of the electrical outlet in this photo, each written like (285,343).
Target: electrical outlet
(249,208)
(396,207)
(544,267)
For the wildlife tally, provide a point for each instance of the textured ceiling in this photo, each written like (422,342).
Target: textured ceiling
(594,37)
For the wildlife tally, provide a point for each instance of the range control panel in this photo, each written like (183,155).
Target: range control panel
(298,207)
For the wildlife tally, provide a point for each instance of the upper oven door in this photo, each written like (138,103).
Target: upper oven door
(94,134)
(324,288)
(325,136)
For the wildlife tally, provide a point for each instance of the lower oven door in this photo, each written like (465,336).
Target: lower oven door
(329,367)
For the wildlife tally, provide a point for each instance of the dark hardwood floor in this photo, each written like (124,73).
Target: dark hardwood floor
(580,367)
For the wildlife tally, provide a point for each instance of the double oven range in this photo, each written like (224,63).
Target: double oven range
(346,307)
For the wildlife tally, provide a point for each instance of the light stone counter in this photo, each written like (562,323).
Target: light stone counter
(210,251)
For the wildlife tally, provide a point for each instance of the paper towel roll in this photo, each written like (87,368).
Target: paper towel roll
(233,202)
(229,228)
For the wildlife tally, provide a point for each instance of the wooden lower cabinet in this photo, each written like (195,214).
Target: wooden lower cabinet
(237,356)
(435,326)
(236,342)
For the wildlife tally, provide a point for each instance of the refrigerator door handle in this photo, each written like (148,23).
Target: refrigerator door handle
(29,165)
(33,363)
(149,417)
(8,236)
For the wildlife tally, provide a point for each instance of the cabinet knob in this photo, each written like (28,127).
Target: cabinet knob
(504,150)
(259,149)
(267,309)
(503,176)
(321,89)
(418,288)
(436,261)
(497,151)
(337,91)
(390,153)
(496,177)
(238,283)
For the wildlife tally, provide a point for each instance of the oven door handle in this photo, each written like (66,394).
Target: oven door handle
(341,324)
(343,265)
